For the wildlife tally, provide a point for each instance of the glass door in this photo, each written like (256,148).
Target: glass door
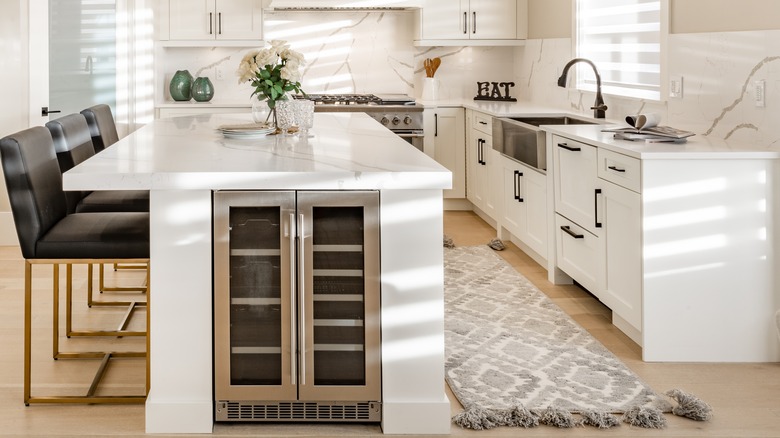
(82,54)
(338,289)
(254,309)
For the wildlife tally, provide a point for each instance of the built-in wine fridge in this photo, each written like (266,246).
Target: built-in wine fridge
(296,306)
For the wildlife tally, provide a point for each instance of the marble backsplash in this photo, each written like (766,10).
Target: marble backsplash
(346,52)
(372,52)
(718,71)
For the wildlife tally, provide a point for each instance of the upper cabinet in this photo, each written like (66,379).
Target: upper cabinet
(472,22)
(212,22)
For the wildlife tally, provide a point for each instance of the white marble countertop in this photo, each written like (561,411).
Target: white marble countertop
(697,147)
(344,151)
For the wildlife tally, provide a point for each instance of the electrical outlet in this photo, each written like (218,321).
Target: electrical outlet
(676,87)
(760,93)
(220,73)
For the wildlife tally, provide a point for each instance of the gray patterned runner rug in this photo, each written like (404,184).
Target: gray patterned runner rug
(508,345)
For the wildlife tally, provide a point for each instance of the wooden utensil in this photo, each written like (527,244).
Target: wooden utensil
(435,63)
(427,64)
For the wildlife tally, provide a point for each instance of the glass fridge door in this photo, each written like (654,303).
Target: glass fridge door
(254,309)
(338,292)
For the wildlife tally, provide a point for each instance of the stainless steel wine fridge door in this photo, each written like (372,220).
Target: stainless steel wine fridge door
(296,304)
(338,286)
(254,304)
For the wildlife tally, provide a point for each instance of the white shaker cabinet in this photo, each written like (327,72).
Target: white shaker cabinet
(576,190)
(483,176)
(524,212)
(448,138)
(474,20)
(598,226)
(203,20)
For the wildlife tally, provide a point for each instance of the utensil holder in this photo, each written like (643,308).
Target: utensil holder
(430,89)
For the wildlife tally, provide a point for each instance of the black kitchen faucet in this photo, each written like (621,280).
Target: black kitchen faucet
(599,108)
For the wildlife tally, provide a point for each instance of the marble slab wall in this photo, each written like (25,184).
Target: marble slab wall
(346,52)
(718,71)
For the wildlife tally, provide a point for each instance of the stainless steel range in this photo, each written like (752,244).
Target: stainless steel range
(398,112)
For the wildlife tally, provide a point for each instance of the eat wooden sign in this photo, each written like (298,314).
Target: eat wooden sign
(494,91)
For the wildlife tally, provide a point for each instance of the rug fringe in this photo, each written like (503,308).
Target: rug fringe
(522,417)
(496,244)
(553,416)
(600,419)
(477,419)
(647,417)
(690,406)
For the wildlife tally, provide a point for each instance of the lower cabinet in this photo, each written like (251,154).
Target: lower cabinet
(296,306)
(450,147)
(622,284)
(524,211)
(598,226)
(483,172)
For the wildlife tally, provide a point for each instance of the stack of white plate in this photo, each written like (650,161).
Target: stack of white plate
(245,131)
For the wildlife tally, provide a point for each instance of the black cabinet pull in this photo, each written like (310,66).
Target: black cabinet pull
(219,15)
(569,148)
(479,151)
(465,22)
(518,175)
(211,23)
(616,169)
(436,125)
(571,233)
(482,123)
(474,23)
(596,207)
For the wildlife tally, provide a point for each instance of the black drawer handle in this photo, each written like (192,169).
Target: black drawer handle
(518,175)
(571,233)
(569,148)
(482,123)
(596,207)
(616,169)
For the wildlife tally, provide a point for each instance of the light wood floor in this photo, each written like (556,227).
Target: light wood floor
(745,397)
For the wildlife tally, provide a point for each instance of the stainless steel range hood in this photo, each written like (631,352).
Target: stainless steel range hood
(344,5)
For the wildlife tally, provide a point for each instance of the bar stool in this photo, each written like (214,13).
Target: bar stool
(102,128)
(49,235)
(73,144)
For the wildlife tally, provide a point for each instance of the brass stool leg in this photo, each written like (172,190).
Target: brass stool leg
(90,397)
(27,330)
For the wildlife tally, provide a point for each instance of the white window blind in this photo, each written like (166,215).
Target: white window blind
(624,39)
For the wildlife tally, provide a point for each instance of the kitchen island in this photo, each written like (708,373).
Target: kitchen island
(183,160)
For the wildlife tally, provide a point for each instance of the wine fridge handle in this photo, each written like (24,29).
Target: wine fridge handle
(293,365)
(302,296)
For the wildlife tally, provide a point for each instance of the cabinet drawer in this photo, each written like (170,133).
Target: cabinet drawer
(483,123)
(620,169)
(579,253)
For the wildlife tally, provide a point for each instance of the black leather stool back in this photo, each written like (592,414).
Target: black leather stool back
(73,145)
(101,125)
(34,183)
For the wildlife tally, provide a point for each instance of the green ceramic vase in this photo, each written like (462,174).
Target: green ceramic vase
(202,89)
(181,86)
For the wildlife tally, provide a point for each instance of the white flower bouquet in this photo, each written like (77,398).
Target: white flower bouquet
(273,72)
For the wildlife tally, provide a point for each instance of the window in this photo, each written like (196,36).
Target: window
(625,39)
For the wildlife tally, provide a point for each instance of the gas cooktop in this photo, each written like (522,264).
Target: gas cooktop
(359,99)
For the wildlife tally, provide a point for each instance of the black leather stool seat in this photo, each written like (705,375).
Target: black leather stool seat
(73,143)
(97,236)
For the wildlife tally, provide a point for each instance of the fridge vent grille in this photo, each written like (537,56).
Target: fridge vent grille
(300,411)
